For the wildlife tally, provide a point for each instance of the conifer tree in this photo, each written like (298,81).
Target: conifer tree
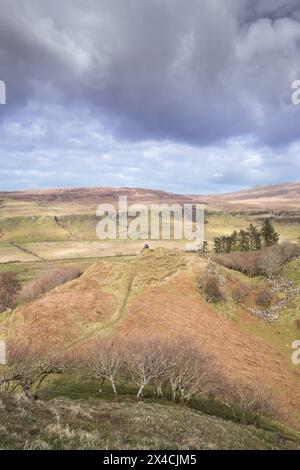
(254,238)
(243,241)
(234,240)
(268,233)
(217,245)
(228,244)
(204,248)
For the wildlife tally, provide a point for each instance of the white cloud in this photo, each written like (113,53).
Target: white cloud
(193,99)
(55,159)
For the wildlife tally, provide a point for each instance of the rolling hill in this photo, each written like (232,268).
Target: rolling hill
(156,293)
(281,196)
(274,197)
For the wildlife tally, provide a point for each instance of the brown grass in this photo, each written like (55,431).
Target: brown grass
(47,281)
(155,294)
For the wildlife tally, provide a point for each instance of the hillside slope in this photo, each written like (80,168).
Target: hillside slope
(273,197)
(155,293)
(97,424)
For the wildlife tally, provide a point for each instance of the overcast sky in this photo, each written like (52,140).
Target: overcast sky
(191,96)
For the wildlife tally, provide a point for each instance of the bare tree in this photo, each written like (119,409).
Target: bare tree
(271,261)
(153,361)
(28,369)
(105,361)
(258,400)
(190,369)
(146,362)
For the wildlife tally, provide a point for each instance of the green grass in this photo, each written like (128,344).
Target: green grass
(292,272)
(30,270)
(35,228)
(84,422)
(79,387)
(223,223)
(75,387)
(288,231)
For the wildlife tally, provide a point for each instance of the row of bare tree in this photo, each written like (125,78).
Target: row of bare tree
(178,369)
(176,366)
(267,261)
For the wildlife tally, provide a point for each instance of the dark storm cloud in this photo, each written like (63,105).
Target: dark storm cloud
(186,95)
(184,70)
(252,10)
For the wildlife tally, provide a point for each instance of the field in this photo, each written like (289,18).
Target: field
(23,239)
(61,224)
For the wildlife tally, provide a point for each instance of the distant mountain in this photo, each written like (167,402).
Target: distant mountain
(94,195)
(277,197)
(273,197)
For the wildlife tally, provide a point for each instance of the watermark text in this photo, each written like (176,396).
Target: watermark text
(296,93)
(296,353)
(2,353)
(2,92)
(153,222)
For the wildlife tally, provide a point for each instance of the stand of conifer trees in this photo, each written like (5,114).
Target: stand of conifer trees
(251,239)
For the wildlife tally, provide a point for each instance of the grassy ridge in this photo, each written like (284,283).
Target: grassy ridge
(100,424)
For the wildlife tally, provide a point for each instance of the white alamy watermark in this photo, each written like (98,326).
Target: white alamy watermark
(154,222)
(2,92)
(2,353)
(296,353)
(296,93)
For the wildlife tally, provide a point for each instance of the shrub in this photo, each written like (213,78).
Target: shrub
(48,281)
(239,293)
(209,285)
(289,250)
(246,262)
(264,298)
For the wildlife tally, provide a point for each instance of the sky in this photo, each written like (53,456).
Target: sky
(189,96)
